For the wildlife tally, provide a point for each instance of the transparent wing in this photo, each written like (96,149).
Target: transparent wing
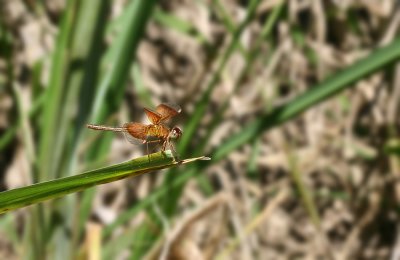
(132,139)
(135,133)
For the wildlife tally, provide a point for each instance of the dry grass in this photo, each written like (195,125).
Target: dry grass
(257,211)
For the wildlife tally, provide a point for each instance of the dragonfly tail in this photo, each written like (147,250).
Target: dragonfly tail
(105,128)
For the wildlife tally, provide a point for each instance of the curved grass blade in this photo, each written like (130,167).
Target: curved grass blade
(375,61)
(325,90)
(21,197)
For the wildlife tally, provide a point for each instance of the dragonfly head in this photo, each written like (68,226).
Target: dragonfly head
(175,133)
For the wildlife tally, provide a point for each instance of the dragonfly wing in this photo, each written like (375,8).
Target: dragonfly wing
(153,116)
(135,133)
(167,111)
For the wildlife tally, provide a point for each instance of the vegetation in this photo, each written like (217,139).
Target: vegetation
(295,102)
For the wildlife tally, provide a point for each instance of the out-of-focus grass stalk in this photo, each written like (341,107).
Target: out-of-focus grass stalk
(344,79)
(115,67)
(141,90)
(108,96)
(73,76)
(308,201)
(118,65)
(228,23)
(82,80)
(6,51)
(12,130)
(54,96)
(40,221)
(254,54)
(270,21)
(249,228)
(305,194)
(277,116)
(252,162)
(201,105)
(173,22)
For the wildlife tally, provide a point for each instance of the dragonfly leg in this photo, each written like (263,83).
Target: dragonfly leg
(147,141)
(164,146)
(148,153)
(174,152)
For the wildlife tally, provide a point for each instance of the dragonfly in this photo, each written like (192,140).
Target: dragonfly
(155,132)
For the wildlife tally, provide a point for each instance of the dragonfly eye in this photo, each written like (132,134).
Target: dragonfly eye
(176,132)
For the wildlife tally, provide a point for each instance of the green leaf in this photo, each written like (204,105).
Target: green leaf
(21,197)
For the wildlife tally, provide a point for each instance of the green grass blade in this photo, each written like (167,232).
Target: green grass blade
(305,193)
(141,90)
(252,165)
(331,86)
(174,22)
(245,72)
(112,248)
(191,127)
(201,106)
(6,79)
(82,76)
(84,58)
(375,61)
(21,197)
(8,136)
(118,64)
(224,16)
(115,69)
(54,95)
(228,22)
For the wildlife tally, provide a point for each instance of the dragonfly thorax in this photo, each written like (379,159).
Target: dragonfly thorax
(158,131)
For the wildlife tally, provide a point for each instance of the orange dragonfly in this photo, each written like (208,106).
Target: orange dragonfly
(156,132)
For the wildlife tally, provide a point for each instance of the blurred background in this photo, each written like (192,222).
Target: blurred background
(292,100)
